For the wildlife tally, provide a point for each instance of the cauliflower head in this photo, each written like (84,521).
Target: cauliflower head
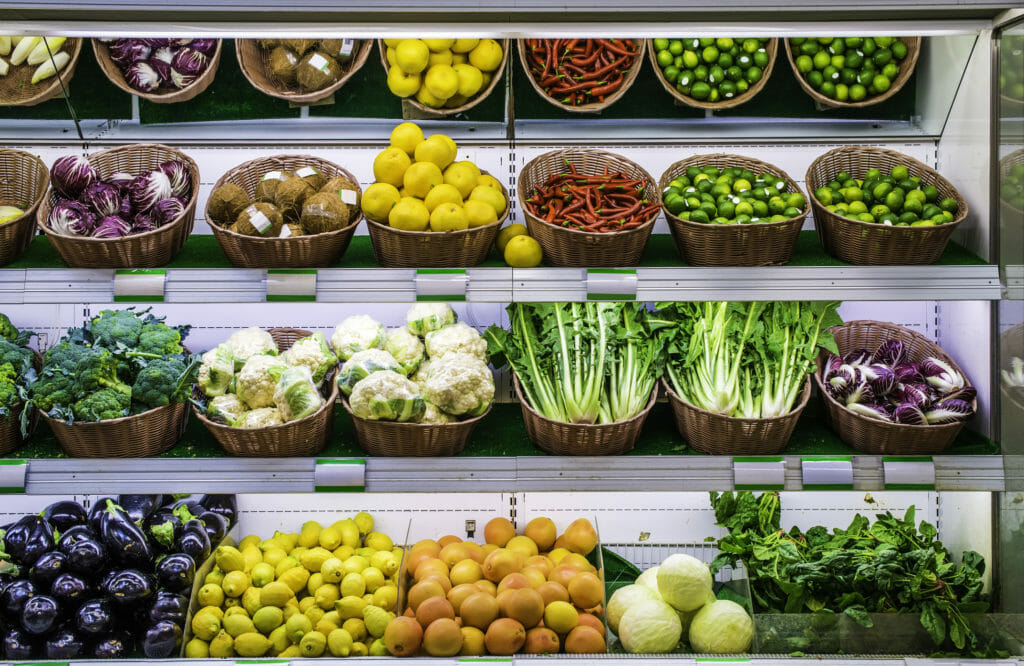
(264,417)
(458,338)
(355,334)
(387,396)
(296,395)
(254,384)
(217,371)
(313,352)
(460,384)
(226,409)
(434,416)
(362,365)
(420,376)
(422,318)
(406,348)
(250,342)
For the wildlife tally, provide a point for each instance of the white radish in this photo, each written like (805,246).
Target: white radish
(23,48)
(42,51)
(5,45)
(4,67)
(51,67)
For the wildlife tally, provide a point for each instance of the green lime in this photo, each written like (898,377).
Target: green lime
(664,58)
(824,195)
(842,92)
(848,76)
(660,44)
(912,206)
(741,185)
(699,216)
(858,92)
(751,45)
(837,46)
(716,75)
(728,89)
(700,90)
(854,59)
(899,50)
(854,42)
(675,204)
(858,207)
(754,74)
(882,57)
(828,89)
(837,61)
(868,47)
(776,205)
(792,211)
(815,79)
(831,74)
(930,210)
(701,72)
(686,78)
(907,217)
(821,60)
(709,54)
(884,42)
(745,61)
(760,208)
(761,58)
(727,209)
(742,86)
(878,210)
(725,61)
(724,43)
(880,83)
(744,208)
(690,59)
(865,217)
(894,200)
(891,71)
(900,172)
(734,73)
(948,204)
(672,73)
(852,194)
(865,77)
(810,47)
(923,223)
(931,193)
(796,200)
(742,218)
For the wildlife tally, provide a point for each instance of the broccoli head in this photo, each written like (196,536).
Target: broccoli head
(97,369)
(9,394)
(116,327)
(105,404)
(160,383)
(54,388)
(20,358)
(64,356)
(159,339)
(7,329)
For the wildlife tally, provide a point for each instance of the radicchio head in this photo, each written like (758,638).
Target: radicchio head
(71,174)
(150,188)
(181,180)
(142,77)
(102,199)
(167,210)
(71,218)
(112,226)
(890,353)
(127,51)
(909,414)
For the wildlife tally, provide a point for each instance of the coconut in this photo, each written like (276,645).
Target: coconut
(268,44)
(342,50)
(344,188)
(267,187)
(290,196)
(226,202)
(324,212)
(283,64)
(293,229)
(312,176)
(300,46)
(259,219)
(317,70)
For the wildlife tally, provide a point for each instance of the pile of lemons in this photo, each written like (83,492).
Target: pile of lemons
(418,186)
(322,591)
(441,72)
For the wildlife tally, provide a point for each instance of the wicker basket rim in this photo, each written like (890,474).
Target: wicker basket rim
(120,419)
(409,424)
(805,396)
(122,83)
(738,100)
(305,97)
(642,414)
(44,182)
(54,87)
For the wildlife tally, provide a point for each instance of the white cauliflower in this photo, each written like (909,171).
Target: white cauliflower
(355,334)
(458,338)
(217,371)
(406,348)
(255,385)
(362,365)
(250,342)
(422,318)
(387,396)
(460,384)
(313,352)
(435,416)
(420,376)
(226,409)
(264,417)
(296,394)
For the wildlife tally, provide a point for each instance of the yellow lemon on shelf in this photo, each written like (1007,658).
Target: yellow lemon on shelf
(488,195)
(471,80)
(421,177)
(463,175)
(424,97)
(486,56)
(460,59)
(412,55)
(389,54)
(434,150)
(523,252)
(406,136)
(443,193)
(489,181)
(439,58)
(464,45)
(508,233)
(392,41)
(480,213)
(409,214)
(449,217)
(437,45)
(401,83)
(390,166)
(441,81)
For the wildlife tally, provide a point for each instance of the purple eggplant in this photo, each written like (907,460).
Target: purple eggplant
(64,644)
(194,541)
(95,617)
(117,645)
(225,505)
(28,539)
(69,589)
(64,515)
(47,568)
(124,540)
(164,529)
(169,606)
(139,507)
(128,586)
(18,645)
(162,639)
(216,526)
(176,572)
(15,596)
(86,557)
(40,615)
(96,513)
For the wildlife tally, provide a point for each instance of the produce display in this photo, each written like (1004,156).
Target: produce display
(121,363)
(303,202)
(600,203)
(309,64)
(1011,188)
(712,69)
(418,186)
(323,591)
(250,384)
(441,73)
(121,205)
(733,195)
(433,370)
(1011,75)
(109,582)
(849,69)
(531,593)
(575,72)
(160,65)
(16,367)
(897,199)
(887,385)
(746,360)
(674,603)
(42,54)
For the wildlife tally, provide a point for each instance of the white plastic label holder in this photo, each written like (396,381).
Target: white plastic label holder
(611,284)
(908,472)
(133,285)
(12,476)
(288,284)
(827,472)
(441,284)
(339,475)
(759,473)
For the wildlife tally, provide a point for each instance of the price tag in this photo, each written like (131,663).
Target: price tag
(478,660)
(611,284)
(42,663)
(285,284)
(759,473)
(339,475)
(12,476)
(139,285)
(441,284)
(909,472)
(262,661)
(827,472)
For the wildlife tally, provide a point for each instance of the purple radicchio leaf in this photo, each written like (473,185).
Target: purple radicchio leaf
(71,218)
(155,42)
(127,211)
(881,378)
(914,394)
(71,174)
(142,77)
(167,210)
(967,394)
(112,226)
(861,393)
(188,64)
(162,69)
(909,414)
(949,411)
(204,46)
(102,199)
(941,376)
(180,41)
(142,223)
(857,357)
(180,177)
(871,411)
(124,52)
(121,180)
(150,188)
(890,353)
(908,372)
(164,54)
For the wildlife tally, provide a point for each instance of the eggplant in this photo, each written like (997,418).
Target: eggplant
(28,539)
(163,530)
(187,509)
(72,536)
(124,539)
(18,644)
(63,644)
(15,596)
(87,557)
(169,606)
(129,586)
(139,507)
(117,645)
(40,615)
(65,514)
(225,505)
(194,541)
(162,640)
(96,513)
(70,590)
(94,617)
(216,526)
(176,572)
(47,568)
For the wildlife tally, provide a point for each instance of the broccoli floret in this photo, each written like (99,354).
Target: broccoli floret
(20,358)
(54,388)
(8,386)
(97,369)
(115,327)
(160,339)
(7,329)
(64,356)
(105,404)
(159,383)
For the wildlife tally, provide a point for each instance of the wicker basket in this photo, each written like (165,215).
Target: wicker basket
(773,50)
(23,182)
(16,88)
(201,83)
(390,438)
(876,437)
(870,243)
(254,61)
(146,250)
(140,436)
(470,103)
(569,247)
(720,435)
(317,251)
(10,427)
(397,248)
(580,439)
(760,244)
(906,70)
(304,437)
(592,107)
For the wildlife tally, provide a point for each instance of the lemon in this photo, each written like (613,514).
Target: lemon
(344,552)
(229,559)
(268,619)
(297,626)
(331,570)
(389,167)
(409,214)
(373,578)
(464,45)
(386,597)
(389,54)
(421,177)
(222,645)
(251,600)
(349,607)
(214,577)
(508,233)
(385,561)
(459,59)
(314,613)
(287,563)
(353,585)
(330,537)
(235,583)
(355,564)
(424,97)
(451,144)
(441,81)
(449,217)
(309,534)
(262,574)
(392,42)
(306,604)
(210,595)
(523,252)
(488,180)
(276,594)
(355,627)
(379,540)
(376,620)
(205,625)
(326,595)
(463,175)
(315,581)
(349,532)
(250,540)
(487,78)
(339,643)
(252,556)
(486,56)
(274,555)
(313,644)
(441,194)
(238,624)
(359,649)
(436,45)
(440,58)
(314,558)
(489,195)
(279,640)
(411,55)
(295,578)
(401,83)
(471,80)
(479,213)
(363,520)
(406,136)
(197,649)
(435,150)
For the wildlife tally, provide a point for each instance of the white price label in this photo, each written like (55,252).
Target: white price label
(827,472)
(339,475)
(909,472)
(759,473)
(12,476)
